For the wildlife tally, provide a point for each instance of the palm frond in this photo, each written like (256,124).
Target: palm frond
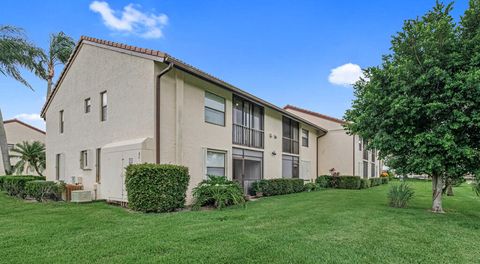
(17,52)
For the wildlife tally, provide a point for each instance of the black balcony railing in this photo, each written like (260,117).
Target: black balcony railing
(247,136)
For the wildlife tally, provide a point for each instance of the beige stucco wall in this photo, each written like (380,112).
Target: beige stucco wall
(335,150)
(129,82)
(17,133)
(185,136)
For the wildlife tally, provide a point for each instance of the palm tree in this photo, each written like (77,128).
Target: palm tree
(31,157)
(16,52)
(61,46)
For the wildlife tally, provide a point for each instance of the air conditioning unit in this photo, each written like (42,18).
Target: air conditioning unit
(81,196)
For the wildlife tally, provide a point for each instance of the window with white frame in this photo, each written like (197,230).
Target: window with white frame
(214,109)
(216,163)
(290,166)
(103,106)
(87,105)
(365,169)
(85,160)
(61,121)
(304,138)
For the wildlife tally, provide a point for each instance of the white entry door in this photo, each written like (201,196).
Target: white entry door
(128,158)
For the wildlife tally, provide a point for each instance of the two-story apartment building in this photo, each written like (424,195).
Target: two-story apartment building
(338,150)
(17,132)
(115,105)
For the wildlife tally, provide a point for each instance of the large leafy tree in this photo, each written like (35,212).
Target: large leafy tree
(16,52)
(31,156)
(59,50)
(421,106)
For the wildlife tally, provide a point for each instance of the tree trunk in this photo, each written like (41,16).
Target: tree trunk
(4,147)
(37,169)
(437,188)
(51,73)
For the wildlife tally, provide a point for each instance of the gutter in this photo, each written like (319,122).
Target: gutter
(157,111)
(318,137)
(353,155)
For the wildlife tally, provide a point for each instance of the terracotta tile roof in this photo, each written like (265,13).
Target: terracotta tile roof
(178,64)
(308,112)
(24,124)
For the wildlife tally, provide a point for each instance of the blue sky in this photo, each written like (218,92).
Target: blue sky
(281,51)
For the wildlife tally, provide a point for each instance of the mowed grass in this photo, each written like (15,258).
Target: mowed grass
(330,226)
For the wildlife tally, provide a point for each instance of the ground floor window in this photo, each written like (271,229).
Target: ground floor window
(373,171)
(365,169)
(97,168)
(216,162)
(290,166)
(57,166)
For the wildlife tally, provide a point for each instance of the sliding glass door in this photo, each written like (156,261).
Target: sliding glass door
(247,167)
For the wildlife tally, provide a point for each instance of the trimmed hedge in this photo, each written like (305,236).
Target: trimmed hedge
(43,190)
(375,182)
(273,187)
(15,185)
(348,182)
(156,187)
(341,182)
(364,183)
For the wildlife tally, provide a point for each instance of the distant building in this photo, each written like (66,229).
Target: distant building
(17,132)
(338,150)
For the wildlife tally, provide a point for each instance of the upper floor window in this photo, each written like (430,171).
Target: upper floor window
(248,119)
(365,150)
(290,135)
(87,105)
(61,121)
(304,137)
(214,109)
(103,104)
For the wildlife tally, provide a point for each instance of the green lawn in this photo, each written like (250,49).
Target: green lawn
(333,226)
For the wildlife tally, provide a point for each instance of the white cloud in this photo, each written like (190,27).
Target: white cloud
(29,117)
(345,75)
(32,119)
(131,20)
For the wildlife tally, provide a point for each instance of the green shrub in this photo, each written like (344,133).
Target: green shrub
(156,187)
(341,182)
(384,180)
(310,187)
(324,181)
(15,185)
(400,194)
(364,183)
(375,182)
(217,191)
(44,190)
(2,178)
(278,186)
(348,182)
